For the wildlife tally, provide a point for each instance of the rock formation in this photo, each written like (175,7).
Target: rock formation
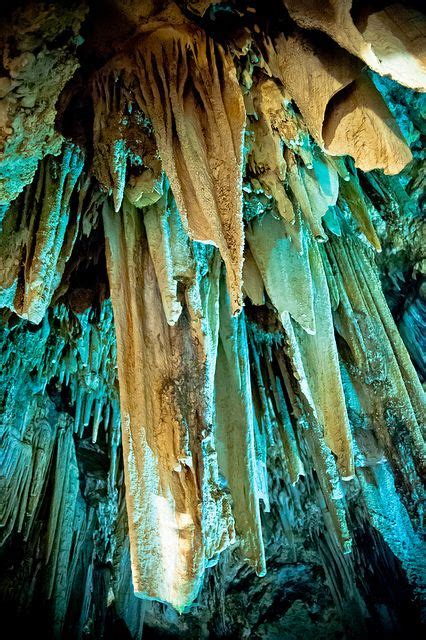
(211,304)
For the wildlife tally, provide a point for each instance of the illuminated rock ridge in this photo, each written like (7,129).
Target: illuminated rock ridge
(212,312)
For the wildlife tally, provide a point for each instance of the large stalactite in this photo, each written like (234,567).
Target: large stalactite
(212,413)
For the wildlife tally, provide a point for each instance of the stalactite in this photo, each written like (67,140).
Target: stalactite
(171,467)
(364,321)
(320,361)
(110,152)
(170,253)
(37,446)
(41,227)
(351,192)
(323,460)
(190,92)
(235,432)
(253,283)
(274,125)
(286,274)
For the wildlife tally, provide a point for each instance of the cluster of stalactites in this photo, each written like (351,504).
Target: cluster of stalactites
(203,398)
(39,442)
(197,423)
(38,234)
(190,429)
(186,85)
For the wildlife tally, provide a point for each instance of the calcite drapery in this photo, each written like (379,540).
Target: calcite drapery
(179,518)
(190,92)
(342,108)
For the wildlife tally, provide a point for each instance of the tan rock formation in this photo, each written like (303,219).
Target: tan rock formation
(36,252)
(391,41)
(198,122)
(342,109)
(178,517)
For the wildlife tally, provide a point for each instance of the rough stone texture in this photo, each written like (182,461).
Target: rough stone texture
(38,43)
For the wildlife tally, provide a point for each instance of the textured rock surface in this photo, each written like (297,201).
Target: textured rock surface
(38,46)
(211,263)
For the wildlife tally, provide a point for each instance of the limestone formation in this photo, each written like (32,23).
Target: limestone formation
(211,306)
